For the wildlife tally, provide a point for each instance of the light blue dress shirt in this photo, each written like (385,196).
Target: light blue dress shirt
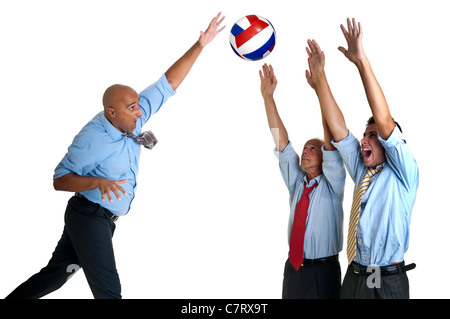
(100,150)
(382,234)
(323,234)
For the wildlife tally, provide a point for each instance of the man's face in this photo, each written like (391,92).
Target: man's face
(312,155)
(371,149)
(125,110)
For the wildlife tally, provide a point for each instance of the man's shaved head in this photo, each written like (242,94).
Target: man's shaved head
(121,107)
(115,94)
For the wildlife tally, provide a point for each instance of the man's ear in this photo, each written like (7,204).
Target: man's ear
(110,111)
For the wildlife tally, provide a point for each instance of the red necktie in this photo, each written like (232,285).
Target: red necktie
(298,229)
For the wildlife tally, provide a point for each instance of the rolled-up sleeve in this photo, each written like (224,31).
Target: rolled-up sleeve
(350,151)
(154,96)
(289,166)
(400,159)
(333,170)
(83,155)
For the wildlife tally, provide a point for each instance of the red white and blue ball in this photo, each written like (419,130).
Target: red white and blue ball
(252,37)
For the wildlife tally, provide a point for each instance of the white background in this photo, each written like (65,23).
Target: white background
(210,216)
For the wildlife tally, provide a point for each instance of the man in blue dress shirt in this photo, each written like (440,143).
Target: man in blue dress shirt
(320,167)
(376,248)
(101,166)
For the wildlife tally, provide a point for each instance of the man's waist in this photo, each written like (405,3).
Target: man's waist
(117,207)
(388,270)
(110,215)
(319,261)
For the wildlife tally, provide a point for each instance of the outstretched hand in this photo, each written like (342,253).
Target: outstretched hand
(353,36)
(268,80)
(316,62)
(212,30)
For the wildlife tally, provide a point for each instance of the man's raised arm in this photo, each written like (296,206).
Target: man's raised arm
(375,96)
(317,79)
(268,85)
(180,69)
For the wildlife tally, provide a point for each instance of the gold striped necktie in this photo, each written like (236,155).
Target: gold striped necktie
(356,208)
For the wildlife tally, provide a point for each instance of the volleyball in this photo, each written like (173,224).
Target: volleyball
(252,37)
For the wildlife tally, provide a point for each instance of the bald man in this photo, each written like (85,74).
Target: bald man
(315,181)
(101,167)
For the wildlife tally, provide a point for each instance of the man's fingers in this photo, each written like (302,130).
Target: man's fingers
(120,188)
(271,71)
(343,50)
(344,31)
(116,193)
(316,46)
(109,196)
(349,25)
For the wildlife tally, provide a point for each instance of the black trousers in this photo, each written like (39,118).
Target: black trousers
(361,286)
(317,281)
(86,243)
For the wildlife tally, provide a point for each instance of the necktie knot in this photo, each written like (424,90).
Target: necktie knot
(147,139)
(371,172)
(308,190)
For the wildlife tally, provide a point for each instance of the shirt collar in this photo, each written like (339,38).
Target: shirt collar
(313,180)
(114,133)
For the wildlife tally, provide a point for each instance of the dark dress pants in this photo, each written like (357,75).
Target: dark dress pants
(357,286)
(317,281)
(86,243)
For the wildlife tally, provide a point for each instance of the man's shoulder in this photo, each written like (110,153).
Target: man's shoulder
(93,132)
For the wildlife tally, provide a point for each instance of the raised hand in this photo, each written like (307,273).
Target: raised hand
(353,36)
(212,30)
(268,80)
(316,62)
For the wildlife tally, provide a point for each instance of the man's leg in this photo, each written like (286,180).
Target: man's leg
(51,277)
(91,232)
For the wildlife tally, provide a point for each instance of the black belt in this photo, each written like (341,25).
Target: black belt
(320,261)
(113,217)
(384,270)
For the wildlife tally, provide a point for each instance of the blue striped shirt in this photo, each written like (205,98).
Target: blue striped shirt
(323,234)
(382,234)
(100,150)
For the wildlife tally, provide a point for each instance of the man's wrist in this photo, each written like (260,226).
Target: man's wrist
(362,62)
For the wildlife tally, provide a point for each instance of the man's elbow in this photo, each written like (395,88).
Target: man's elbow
(57,184)
(60,183)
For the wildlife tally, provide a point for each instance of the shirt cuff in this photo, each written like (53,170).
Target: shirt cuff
(348,144)
(332,155)
(286,154)
(166,88)
(392,140)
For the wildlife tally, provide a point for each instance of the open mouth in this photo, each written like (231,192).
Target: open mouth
(366,153)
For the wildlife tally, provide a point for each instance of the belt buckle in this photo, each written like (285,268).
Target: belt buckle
(356,268)
(114,218)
